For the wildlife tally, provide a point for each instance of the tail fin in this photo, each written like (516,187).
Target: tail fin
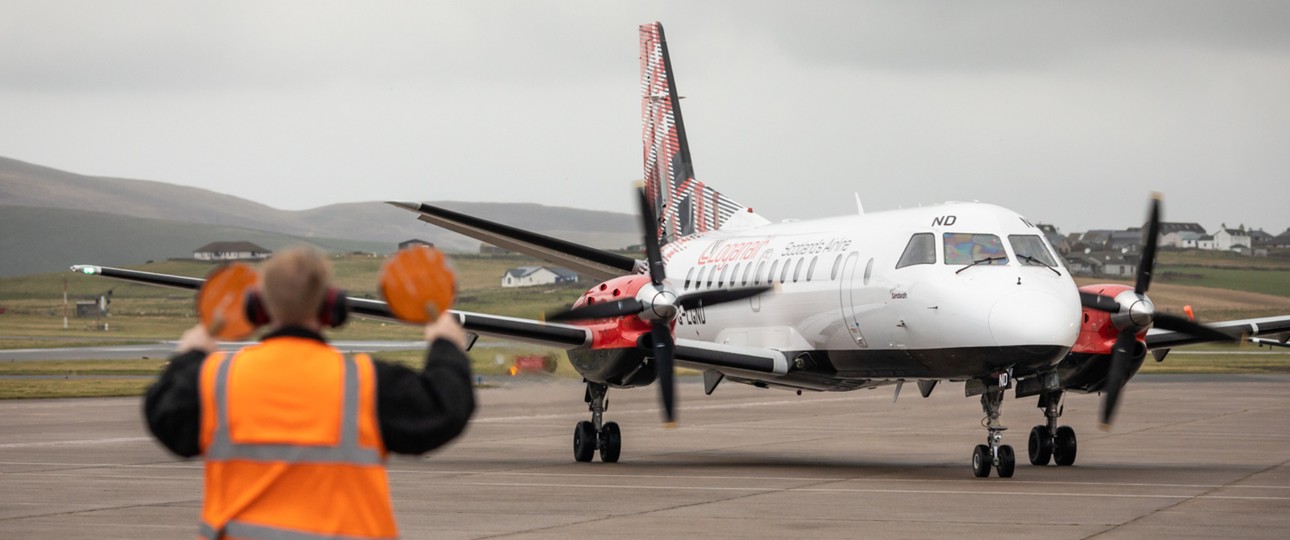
(684,206)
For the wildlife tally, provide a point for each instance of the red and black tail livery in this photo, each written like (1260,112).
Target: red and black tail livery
(684,205)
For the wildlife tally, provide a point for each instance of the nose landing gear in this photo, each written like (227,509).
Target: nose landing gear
(994,454)
(597,434)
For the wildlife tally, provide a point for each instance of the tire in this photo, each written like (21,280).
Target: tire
(1040,448)
(981,461)
(584,441)
(1064,447)
(1007,461)
(611,442)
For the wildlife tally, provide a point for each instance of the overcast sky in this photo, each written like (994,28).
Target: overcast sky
(1068,112)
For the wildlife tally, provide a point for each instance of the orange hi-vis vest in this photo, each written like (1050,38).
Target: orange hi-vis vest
(292,444)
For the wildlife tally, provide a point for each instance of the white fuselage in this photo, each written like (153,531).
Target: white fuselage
(838,287)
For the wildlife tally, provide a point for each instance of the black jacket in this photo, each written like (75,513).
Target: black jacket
(418,412)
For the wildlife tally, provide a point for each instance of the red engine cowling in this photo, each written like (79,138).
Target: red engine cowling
(615,357)
(1085,367)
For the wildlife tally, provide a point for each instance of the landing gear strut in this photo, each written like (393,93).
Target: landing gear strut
(993,454)
(1051,441)
(597,434)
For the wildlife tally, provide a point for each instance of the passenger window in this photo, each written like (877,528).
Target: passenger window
(747,272)
(773,267)
(761,273)
(1030,250)
(688,276)
(968,248)
(810,272)
(698,283)
(797,271)
(725,272)
(837,263)
(783,274)
(921,249)
(712,276)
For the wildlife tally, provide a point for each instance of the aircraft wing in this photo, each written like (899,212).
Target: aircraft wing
(582,259)
(528,330)
(1165,339)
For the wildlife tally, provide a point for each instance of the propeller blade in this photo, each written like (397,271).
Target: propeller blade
(718,296)
(604,310)
(664,348)
(1148,263)
(1099,302)
(1188,326)
(1117,375)
(653,254)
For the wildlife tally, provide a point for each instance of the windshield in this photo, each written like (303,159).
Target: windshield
(1030,250)
(920,250)
(969,248)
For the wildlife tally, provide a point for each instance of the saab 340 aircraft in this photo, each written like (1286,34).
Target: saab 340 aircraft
(962,292)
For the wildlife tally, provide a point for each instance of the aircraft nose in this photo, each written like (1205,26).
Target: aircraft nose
(1035,318)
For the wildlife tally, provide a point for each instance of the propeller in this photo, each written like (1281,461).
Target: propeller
(658,304)
(1132,312)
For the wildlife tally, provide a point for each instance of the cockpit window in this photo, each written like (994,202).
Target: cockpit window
(921,249)
(1030,250)
(968,248)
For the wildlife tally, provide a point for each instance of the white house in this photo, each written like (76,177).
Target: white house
(1227,239)
(230,251)
(528,276)
(1204,241)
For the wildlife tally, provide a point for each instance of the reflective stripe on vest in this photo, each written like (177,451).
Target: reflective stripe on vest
(348,451)
(238,529)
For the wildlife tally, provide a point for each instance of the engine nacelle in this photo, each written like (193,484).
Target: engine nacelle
(1085,368)
(615,356)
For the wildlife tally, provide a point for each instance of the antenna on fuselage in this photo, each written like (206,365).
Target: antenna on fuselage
(859,207)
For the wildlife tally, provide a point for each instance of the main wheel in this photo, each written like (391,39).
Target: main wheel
(611,442)
(1007,461)
(584,441)
(1041,446)
(1064,446)
(981,461)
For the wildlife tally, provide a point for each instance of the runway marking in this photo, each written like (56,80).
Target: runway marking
(84,442)
(854,490)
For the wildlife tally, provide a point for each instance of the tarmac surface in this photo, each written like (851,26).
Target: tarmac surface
(1190,457)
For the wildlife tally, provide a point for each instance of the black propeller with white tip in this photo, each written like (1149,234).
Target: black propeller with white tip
(1132,312)
(657,303)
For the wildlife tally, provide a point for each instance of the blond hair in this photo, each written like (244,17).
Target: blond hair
(293,284)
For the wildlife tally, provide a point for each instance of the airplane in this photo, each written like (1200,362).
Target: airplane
(962,292)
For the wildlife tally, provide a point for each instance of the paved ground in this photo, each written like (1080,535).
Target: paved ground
(1190,457)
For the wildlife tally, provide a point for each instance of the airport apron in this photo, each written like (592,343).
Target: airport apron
(292,444)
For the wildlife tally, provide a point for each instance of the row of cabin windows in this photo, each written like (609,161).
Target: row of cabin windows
(969,248)
(740,274)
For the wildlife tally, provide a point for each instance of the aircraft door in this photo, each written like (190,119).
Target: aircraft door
(848,295)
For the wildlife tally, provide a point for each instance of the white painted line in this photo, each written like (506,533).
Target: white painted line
(85,442)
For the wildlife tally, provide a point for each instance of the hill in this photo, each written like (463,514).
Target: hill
(59,215)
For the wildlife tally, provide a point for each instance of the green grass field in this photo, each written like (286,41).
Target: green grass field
(33,318)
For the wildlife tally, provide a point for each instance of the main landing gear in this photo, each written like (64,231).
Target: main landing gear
(993,454)
(1050,441)
(596,434)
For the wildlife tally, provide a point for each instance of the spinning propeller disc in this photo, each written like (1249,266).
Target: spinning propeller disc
(418,283)
(220,302)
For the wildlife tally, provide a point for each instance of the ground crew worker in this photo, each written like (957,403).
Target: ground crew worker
(294,433)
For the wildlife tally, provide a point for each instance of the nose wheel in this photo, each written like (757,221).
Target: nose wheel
(597,434)
(994,454)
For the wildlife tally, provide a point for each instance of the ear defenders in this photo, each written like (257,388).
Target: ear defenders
(333,312)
